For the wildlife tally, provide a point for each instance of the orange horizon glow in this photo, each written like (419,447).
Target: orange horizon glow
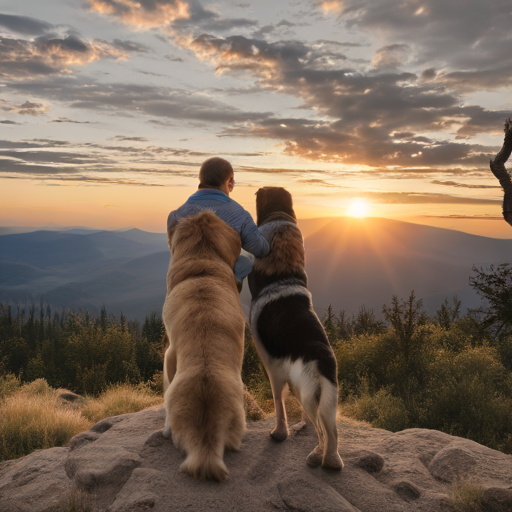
(111,207)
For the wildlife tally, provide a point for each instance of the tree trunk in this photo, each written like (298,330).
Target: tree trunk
(499,170)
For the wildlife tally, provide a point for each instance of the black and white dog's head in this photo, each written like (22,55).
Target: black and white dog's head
(272,201)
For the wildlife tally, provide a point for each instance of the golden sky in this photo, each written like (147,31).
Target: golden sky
(108,107)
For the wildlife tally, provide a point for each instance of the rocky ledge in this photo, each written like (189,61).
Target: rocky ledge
(128,466)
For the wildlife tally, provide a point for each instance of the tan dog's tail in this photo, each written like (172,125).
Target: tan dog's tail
(206,463)
(204,422)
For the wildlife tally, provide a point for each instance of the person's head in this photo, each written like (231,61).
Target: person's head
(217,173)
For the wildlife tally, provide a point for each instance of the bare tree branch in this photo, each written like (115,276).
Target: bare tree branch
(499,170)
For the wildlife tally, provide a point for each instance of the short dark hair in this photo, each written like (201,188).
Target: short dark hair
(214,172)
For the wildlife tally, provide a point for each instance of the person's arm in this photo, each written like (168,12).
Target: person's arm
(253,240)
(172,221)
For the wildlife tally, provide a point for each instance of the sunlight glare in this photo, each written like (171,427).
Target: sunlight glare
(358,208)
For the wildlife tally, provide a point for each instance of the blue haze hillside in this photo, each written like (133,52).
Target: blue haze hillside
(350,262)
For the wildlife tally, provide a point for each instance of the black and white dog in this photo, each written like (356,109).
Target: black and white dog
(290,338)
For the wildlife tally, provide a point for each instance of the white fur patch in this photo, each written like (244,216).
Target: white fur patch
(303,378)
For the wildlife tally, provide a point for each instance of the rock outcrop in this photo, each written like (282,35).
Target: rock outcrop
(128,466)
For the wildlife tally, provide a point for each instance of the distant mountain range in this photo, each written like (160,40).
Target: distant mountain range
(350,262)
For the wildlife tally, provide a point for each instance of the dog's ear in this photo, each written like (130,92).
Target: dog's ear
(182,236)
(261,204)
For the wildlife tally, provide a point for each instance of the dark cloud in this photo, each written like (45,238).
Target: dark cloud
(463,217)
(391,56)
(365,109)
(138,99)
(143,13)
(35,143)
(129,46)
(48,55)
(278,170)
(173,58)
(67,120)
(94,162)
(50,180)
(50,157)
(317,181)
(17,166)
(282,27)
(135,139)
(469,37)
(227,24)
(24,25)
(329,142)
(417,198)
(462,185)
(30,108)
(169,14)
(343,44)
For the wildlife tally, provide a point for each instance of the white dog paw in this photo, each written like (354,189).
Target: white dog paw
(167,432)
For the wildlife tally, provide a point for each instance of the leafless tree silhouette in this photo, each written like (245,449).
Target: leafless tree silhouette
(499,170)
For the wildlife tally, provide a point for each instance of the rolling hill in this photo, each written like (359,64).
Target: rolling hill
(349,262)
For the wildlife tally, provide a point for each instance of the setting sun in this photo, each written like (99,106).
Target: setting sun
(358,209)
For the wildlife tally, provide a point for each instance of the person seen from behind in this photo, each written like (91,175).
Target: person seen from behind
(216,182)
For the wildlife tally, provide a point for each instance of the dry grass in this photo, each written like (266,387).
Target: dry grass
(77,500)
(119,399)
(31,419)
(467,496)
(253,412)
(265,402)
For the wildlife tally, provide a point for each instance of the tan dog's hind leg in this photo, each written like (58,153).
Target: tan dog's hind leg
(280,432)
(169,365)
(236,426)
(169,373)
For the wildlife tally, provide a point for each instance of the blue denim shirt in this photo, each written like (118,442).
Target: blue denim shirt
(230,212)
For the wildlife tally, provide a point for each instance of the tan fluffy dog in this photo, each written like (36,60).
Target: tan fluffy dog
(203,317)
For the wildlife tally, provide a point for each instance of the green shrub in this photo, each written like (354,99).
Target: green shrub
(365,356)
(9,383)
(382,409)
(469,395)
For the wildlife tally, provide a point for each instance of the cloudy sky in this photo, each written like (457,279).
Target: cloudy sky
(108,107)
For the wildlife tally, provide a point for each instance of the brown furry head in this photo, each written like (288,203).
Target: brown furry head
(205,236)
(287,245)
(273,200)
